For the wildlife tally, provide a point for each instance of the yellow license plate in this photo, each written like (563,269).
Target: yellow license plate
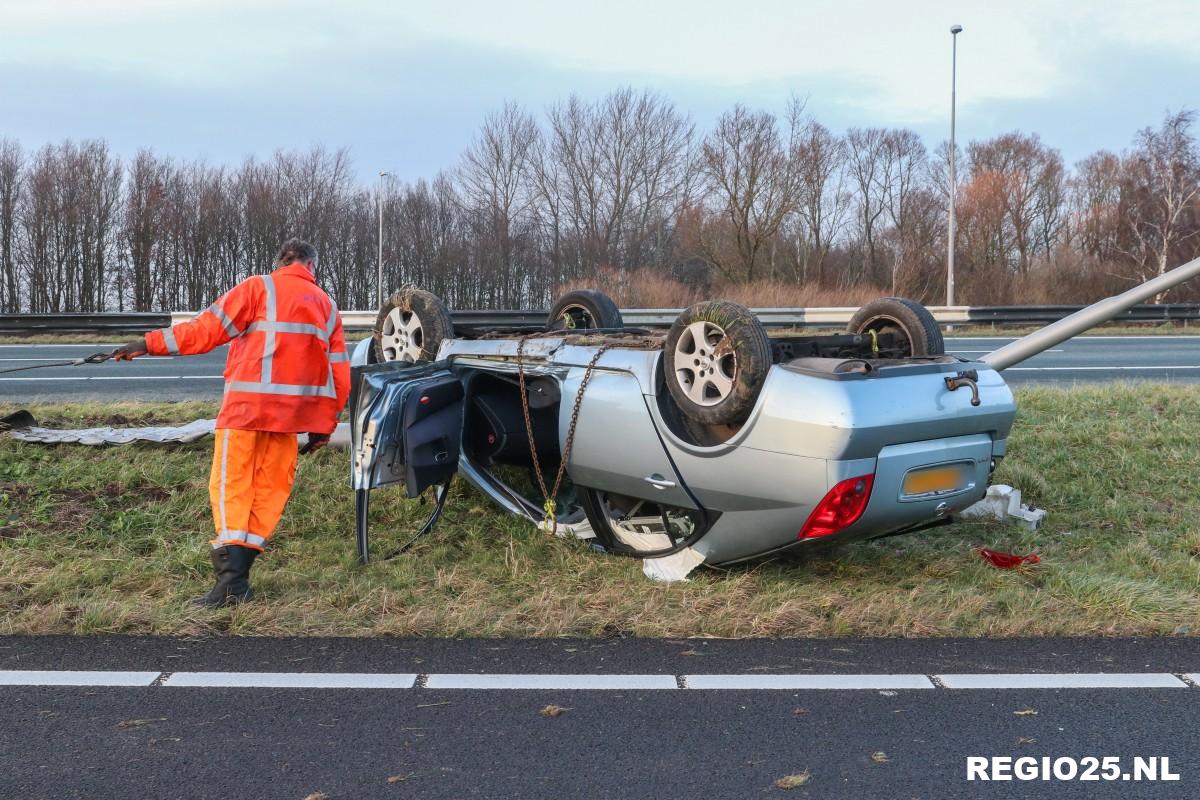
(934,479)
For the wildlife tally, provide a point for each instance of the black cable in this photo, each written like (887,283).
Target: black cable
(40,366)
(94,358)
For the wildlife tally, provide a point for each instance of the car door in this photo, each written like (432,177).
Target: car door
(406,426)
(616,447)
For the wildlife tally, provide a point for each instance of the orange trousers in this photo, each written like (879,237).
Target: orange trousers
(251,479)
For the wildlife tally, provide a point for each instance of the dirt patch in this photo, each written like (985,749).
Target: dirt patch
(16,492)
(69,509)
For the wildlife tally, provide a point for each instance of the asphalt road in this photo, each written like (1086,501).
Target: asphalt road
(165,741)
(1174,359)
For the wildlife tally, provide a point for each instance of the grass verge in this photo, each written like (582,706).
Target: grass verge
(114,540)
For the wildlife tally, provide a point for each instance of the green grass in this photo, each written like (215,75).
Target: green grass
(115,540)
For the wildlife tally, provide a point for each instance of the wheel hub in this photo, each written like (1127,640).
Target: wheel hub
(704,364)
(402,336)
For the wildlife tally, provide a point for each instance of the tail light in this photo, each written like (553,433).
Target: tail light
(840,509)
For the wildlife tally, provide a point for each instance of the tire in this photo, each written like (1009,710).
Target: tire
(584,309)
(715,360)
(918,330)
(595,509)
(411,326)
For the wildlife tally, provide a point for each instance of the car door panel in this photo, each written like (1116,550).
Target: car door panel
(406,427)
(616,447)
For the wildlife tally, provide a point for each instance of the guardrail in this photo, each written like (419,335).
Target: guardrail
(534,319)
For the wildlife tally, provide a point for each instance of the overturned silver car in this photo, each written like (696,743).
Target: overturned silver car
(710,438)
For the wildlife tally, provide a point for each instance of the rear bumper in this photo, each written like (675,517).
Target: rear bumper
(887,511)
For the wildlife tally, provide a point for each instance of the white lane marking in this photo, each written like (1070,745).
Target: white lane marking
(808,682)
(52,359)
(36,346)
(584,682)
(34,677)
(292,680)
(1094,680)
(118,378)
(557,682)
(1096,369)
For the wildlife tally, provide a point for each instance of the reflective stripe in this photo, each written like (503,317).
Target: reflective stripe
(169,341)
(333,316)
(291,389)
(338,358)
(288,327)
(226,535)
(224,462)
(225,321)
(272,317)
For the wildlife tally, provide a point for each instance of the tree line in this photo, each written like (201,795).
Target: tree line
(624,185)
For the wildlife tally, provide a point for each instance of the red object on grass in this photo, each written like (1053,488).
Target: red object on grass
(1007,560)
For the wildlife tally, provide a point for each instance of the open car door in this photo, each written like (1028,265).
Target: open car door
(406,428)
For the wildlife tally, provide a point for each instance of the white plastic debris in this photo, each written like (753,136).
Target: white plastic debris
(180,434)
(674,567)
(1003,502)
(161,434)
(666,569)
(569,530)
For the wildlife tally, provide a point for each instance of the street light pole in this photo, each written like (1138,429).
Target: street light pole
(379,264)
(954,31)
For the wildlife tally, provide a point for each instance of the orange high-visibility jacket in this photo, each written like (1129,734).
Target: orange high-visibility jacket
(288,370)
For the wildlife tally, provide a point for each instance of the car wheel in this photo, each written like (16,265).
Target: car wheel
(716,358)
(411,326)
(632,527)
(915,328)
(584,309)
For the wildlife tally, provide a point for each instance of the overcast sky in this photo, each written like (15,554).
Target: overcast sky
(405,84)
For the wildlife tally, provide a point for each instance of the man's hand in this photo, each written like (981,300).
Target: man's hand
(128,352)
(315,442)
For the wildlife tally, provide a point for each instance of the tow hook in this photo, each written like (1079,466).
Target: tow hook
(968,377)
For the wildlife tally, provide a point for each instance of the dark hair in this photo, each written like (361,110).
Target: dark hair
(294,250)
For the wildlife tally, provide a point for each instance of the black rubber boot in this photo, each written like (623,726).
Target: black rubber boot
(232,565)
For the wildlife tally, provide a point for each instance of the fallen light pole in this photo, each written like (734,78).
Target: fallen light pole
(1089,317)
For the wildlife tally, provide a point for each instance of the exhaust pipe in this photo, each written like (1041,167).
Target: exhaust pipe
(1089,317)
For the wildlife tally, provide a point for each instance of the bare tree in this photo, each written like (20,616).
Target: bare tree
(619,169)
(1163,175)
(11,163)
(497,187)
(818,159)
(752,184)
(1030,177)
(906,159)
(868,167)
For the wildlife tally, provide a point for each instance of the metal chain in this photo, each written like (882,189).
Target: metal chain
(549,506)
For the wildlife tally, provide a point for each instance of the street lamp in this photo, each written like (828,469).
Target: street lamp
(379,264)
(955,30)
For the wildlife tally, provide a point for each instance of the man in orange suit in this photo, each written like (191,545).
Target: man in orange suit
(287,372)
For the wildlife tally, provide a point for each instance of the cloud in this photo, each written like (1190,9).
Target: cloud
(406,84)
